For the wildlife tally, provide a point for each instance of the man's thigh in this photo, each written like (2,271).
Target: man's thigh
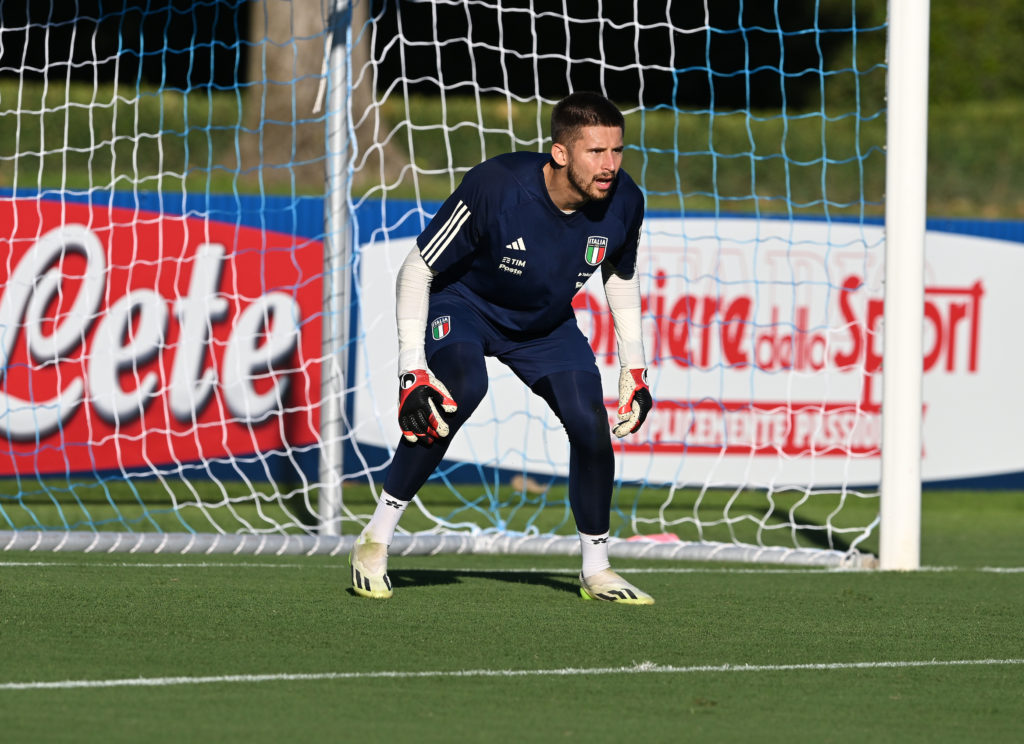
(564,349)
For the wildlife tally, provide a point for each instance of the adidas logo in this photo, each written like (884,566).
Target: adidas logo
(516,245)
(363,582)
(598,540)
(615,595)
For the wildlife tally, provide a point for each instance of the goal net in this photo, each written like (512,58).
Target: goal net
(204,212)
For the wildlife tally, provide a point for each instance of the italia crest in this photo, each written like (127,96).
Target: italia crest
(597,246)
(440,327)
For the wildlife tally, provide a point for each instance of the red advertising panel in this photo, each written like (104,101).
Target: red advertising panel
(134,339)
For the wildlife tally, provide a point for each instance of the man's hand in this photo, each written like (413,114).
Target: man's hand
(420,394)
(635,401)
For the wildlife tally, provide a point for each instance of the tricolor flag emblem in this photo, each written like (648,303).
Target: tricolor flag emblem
(440,327)
(596,248)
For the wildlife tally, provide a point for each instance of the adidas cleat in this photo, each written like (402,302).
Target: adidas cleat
(369,563)
(610,587)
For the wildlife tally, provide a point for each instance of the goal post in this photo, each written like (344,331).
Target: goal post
(337,269)
(197,318)
(906,187)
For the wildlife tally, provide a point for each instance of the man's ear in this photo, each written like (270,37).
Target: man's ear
(559,154)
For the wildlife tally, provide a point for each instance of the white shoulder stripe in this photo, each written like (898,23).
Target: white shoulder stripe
(443,238)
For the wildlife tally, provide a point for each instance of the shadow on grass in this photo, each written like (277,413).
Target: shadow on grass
(422,578)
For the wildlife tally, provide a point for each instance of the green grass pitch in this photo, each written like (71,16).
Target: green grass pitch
(155,648)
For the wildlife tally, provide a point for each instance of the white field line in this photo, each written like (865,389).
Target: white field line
(645,667)
(524,570)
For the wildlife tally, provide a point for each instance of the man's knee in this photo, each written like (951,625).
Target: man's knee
(577,399)
(462,369)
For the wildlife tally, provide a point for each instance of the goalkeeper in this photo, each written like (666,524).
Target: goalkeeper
(494,274)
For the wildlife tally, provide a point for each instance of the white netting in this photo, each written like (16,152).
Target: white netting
(165,301)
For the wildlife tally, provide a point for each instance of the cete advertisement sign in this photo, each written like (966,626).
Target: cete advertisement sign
(134,339)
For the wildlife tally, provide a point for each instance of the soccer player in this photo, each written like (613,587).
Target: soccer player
(494,274)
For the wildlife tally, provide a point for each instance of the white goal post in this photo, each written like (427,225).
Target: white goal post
(202,234)
(906,187)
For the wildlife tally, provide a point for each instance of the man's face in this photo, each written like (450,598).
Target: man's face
(594,161)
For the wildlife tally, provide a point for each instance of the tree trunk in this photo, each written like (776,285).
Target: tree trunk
(285,137)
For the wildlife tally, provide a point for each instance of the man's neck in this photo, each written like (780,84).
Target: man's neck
(560,191)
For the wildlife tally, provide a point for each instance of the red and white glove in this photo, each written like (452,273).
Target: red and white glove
(635,401)
(420,395)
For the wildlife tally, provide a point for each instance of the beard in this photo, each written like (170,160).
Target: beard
(586,187)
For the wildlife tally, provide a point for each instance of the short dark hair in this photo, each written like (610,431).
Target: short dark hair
(578,110)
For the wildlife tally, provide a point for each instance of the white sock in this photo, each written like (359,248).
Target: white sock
(595,553)
(382,525)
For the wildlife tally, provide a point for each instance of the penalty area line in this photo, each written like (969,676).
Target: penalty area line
(646,667)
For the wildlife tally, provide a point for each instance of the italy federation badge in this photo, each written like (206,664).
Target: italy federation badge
(596,248)
(440,327)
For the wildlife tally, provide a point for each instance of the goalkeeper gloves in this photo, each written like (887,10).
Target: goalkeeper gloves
(635,401)
(420,395)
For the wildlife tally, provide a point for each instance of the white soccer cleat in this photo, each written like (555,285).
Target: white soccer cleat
(369,561)
(610,587)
